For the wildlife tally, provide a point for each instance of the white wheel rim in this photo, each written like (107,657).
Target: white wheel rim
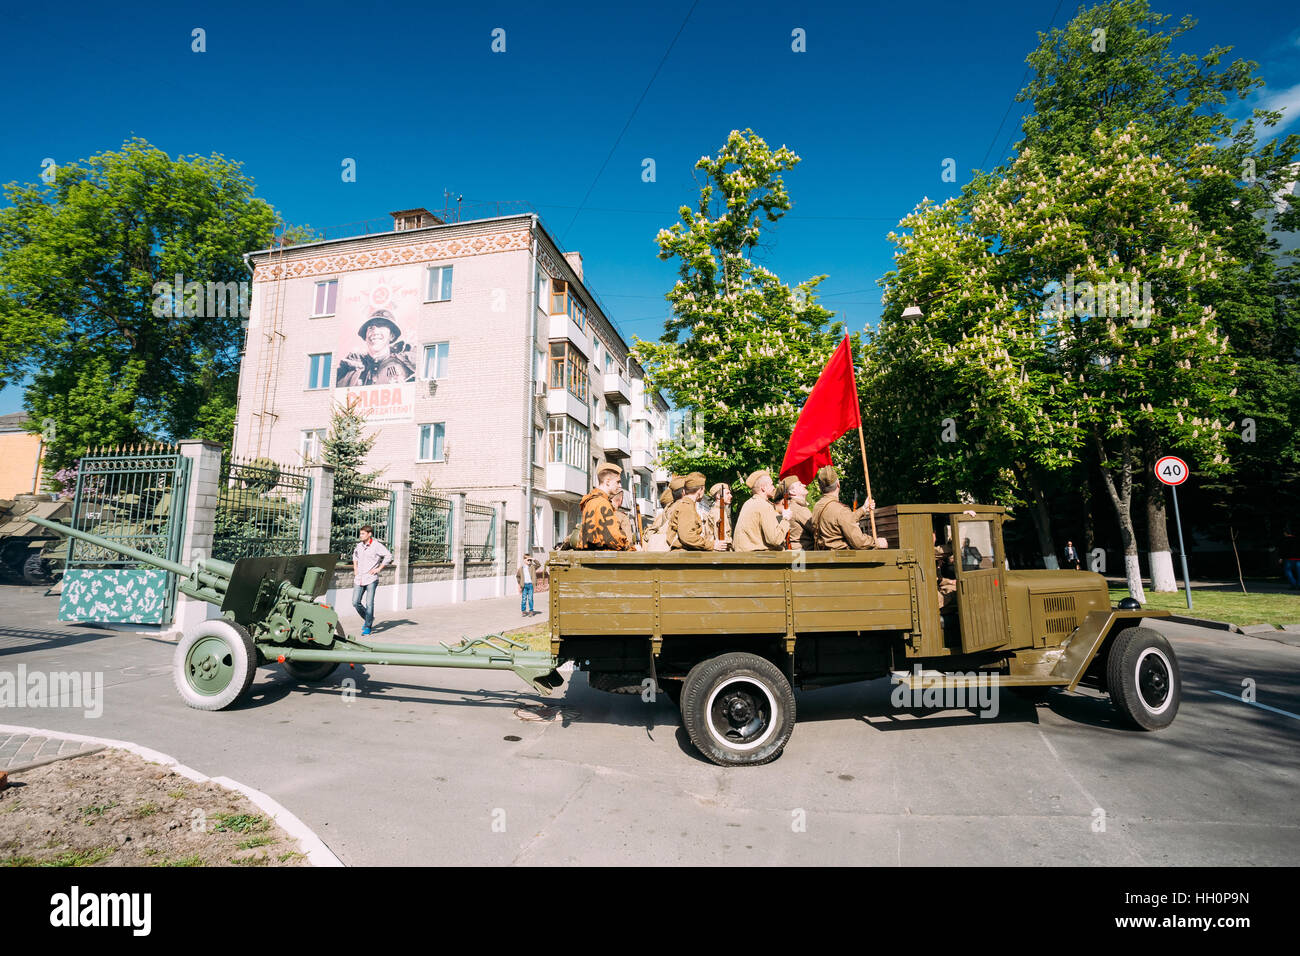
(724,740)
(1137,679)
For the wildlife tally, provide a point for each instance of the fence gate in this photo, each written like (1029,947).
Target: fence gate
(135,497)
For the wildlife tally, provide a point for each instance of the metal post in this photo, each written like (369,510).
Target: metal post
(1182,550)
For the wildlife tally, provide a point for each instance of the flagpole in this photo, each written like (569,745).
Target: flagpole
(862,444)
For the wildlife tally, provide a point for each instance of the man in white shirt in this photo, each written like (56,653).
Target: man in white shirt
(369,558)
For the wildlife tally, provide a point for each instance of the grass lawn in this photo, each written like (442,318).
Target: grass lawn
(1229,605)
(538,636)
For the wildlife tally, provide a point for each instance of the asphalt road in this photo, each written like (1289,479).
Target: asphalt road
(418,765)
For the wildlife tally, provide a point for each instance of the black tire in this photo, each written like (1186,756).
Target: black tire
(214,665)
(1143,679)
(738,709)
(311,672)
(612,683)
(34,570)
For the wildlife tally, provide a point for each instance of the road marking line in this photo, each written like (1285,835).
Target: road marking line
(1255,703)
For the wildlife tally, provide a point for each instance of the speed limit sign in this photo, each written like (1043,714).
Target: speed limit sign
(1171,470)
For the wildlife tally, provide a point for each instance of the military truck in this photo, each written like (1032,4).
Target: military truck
(728,636)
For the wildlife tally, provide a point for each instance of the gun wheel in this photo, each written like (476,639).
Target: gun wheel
(310,672)
(738,709)
(214,665)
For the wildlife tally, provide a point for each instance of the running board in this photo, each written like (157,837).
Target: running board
(927,679)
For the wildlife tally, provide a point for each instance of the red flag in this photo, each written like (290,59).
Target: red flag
(830,411)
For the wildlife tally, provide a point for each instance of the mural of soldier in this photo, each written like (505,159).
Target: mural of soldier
(383,359)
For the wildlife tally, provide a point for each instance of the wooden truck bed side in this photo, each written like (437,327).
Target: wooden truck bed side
(657,594)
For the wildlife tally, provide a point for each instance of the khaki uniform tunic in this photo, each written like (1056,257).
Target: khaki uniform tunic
(684,529)
(801,527)
(759,528)
(836,527)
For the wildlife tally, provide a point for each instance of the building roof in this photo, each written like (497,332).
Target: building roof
(16,422)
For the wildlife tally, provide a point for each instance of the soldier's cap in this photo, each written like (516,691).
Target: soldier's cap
(717,489)
(827,477)
(756,477)
(666,498)
(787,483)
(605,468)
(381,317)
(679,481)
(694,481)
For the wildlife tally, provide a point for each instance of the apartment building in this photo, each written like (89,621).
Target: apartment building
(481,359)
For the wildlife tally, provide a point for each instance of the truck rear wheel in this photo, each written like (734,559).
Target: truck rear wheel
(738,709)
(1143,679)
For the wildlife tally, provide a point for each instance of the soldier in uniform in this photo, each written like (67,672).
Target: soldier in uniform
(624,519)
(759,527)
(834,523)
(599,529)
(721,495)
(943,573)
(385,360)
(665,499)
(801,529)
(684,529)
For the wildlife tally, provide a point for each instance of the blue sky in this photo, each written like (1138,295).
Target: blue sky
(415,95)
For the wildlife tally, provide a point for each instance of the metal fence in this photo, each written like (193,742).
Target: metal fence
(135,497)
(480,533)
(262,509)
(356,506)
(430,529)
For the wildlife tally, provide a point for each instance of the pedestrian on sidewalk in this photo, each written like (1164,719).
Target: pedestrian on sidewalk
(1291,559)
(369,558)
(527,578)
(1071,556)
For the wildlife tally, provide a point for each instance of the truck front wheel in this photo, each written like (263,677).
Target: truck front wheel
(738,709)
(1142,677)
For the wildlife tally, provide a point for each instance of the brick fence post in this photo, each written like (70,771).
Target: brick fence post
(322,507)
(200,525)
(401,545)
(458,547)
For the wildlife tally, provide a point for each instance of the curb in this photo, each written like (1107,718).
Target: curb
(1204,622)
(318,854)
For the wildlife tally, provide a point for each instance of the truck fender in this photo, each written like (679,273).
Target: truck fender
(1090,637)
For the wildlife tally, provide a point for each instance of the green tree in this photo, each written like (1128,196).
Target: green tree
(742,349)
(87,262)
(346,447)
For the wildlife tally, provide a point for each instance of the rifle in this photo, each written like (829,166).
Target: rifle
(722,518)
(636,523)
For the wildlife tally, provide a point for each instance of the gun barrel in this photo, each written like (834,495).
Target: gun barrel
(150,559)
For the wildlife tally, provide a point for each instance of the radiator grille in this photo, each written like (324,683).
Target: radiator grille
(1060,604)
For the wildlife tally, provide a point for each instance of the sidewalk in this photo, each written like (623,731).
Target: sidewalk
(448,622)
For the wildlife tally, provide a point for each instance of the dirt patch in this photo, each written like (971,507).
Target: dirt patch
(113,808)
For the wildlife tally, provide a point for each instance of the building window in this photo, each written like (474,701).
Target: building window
(539,439)
(318,369)
(569,370)
(567,442)
(432,441)
(563,302)
(435,360)
(538,516)
(327,294)
(313,440)
(561,526)
(439,289)
(543,288)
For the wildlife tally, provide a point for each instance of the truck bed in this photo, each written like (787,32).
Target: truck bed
(778,593)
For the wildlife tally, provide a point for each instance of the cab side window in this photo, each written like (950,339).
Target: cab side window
(976,545)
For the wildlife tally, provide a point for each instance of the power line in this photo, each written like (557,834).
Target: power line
(1023,79)
(629,119)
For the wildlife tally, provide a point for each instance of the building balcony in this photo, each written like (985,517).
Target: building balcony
(563,327)
(561,401)
(638,412)
(615,443)
(562,479)
(647,508)
(643,459)
(617,389)
(660,475)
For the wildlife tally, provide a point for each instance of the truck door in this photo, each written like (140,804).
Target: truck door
(977,556)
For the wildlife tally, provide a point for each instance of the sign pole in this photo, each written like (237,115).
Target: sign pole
(1182,551)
